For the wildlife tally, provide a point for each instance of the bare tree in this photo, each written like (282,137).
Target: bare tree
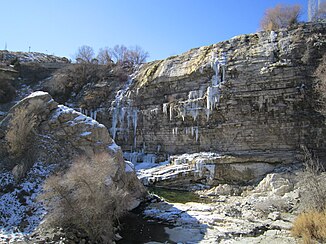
(280,16)
(85,54)
(121,54)
(104,56)
(137,55)
(118,53)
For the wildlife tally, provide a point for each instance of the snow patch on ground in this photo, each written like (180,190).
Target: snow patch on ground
(20,213)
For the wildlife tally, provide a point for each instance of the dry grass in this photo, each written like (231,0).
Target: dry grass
(20,128)
(313,183)
(310,226)
(86,198)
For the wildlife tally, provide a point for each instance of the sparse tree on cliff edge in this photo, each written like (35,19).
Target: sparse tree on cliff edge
(104,56)
(85,54)
(280,16)
(121,54)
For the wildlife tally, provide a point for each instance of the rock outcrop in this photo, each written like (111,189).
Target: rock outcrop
(39,131)
(26,57)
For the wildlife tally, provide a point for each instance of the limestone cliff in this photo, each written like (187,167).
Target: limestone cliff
(252,94)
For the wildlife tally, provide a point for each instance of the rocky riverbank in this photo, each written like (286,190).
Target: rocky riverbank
(261,213)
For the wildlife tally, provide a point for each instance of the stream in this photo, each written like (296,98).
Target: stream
(137,228)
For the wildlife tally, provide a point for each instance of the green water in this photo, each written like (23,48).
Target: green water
(176,196)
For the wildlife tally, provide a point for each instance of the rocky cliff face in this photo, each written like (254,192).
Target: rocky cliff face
(252,93)
(251,96)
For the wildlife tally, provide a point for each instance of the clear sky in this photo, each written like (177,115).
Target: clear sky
(161,27)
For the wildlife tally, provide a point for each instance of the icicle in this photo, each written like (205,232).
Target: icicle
(171,112)
(165,108)
(114,123)
(95,114)
(196,132)
(134,122)
(128,118)
(208,113)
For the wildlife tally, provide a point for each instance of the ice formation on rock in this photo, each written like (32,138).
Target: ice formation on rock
(122,112)
(214,91)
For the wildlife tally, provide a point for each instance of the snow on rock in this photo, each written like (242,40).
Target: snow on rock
(86,133)
(25,57)
(37,94)
(114,147)
(79,117)
(77,126)
(206,167)
(129,167)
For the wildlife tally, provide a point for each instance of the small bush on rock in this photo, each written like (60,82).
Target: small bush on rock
(86,198)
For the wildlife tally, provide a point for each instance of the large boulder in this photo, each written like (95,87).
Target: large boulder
(37,129)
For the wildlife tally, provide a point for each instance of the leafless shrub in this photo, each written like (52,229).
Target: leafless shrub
(21,125)
(313,183)
(86,198)
(280,16)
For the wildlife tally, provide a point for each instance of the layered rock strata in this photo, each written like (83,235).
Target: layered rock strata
(251,96)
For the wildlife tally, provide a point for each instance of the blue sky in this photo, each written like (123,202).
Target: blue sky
(163,28)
